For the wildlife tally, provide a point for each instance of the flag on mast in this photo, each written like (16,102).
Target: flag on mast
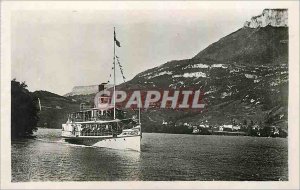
(117,42)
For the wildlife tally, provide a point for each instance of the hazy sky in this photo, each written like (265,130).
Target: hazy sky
(56,50)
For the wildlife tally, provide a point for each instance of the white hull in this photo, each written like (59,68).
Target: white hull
(128,139)
(126,143)
(120,143)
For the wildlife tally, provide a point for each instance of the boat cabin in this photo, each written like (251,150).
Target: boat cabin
(95,114)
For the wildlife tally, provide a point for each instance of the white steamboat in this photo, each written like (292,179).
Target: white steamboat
(104,127)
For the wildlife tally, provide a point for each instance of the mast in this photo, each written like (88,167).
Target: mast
(114,75)
(139,115)
(140,120)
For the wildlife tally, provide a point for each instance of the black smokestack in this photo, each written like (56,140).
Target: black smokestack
(101,87)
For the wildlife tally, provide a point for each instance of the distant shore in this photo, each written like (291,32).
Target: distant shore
(209,132)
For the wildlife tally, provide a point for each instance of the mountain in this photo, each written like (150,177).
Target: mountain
(244,76)
(54,108)
(262,40)
(83,90)
(250,46)
(79,91)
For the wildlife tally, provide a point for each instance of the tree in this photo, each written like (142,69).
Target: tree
(251,123)
(24,111)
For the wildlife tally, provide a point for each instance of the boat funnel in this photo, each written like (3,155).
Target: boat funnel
(101,87)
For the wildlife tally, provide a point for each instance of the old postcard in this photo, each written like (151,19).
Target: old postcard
(144,95)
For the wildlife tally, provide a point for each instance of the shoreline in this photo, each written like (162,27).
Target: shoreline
(213,133)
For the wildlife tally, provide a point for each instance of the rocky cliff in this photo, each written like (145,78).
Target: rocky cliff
(271,17)
(83,90)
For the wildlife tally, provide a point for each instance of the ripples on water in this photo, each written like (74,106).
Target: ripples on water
(163,157)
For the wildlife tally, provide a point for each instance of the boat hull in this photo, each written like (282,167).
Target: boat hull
(120,143)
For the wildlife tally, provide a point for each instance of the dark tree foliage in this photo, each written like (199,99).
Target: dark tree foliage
(24,111)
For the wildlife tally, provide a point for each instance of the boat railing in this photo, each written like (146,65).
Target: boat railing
(95,133)
(99,133)
(91,118)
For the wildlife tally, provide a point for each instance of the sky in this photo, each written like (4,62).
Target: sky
(55,50)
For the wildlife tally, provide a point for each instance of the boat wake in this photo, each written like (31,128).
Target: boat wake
(63,142)
(49,141)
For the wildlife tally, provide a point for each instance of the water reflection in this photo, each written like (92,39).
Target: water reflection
(163,157)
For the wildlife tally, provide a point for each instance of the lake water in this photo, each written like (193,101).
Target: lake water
(164,157)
